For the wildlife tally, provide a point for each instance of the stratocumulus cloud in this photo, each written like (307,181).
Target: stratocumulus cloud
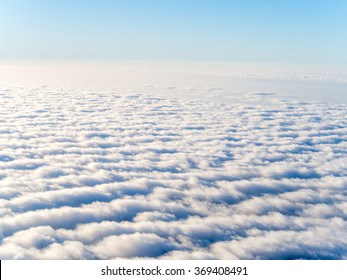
(103,175)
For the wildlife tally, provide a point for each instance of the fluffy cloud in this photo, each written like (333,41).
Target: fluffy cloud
(131,245)
(100,175)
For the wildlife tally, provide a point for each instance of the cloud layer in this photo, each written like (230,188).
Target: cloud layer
(100,175)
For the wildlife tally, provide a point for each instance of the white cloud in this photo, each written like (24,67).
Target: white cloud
(131,245)
(125,175)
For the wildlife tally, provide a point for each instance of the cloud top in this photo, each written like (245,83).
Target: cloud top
(103,175)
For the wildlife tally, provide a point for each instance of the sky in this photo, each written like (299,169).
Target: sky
(310,31)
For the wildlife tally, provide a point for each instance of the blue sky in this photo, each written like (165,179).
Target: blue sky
(311,31)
